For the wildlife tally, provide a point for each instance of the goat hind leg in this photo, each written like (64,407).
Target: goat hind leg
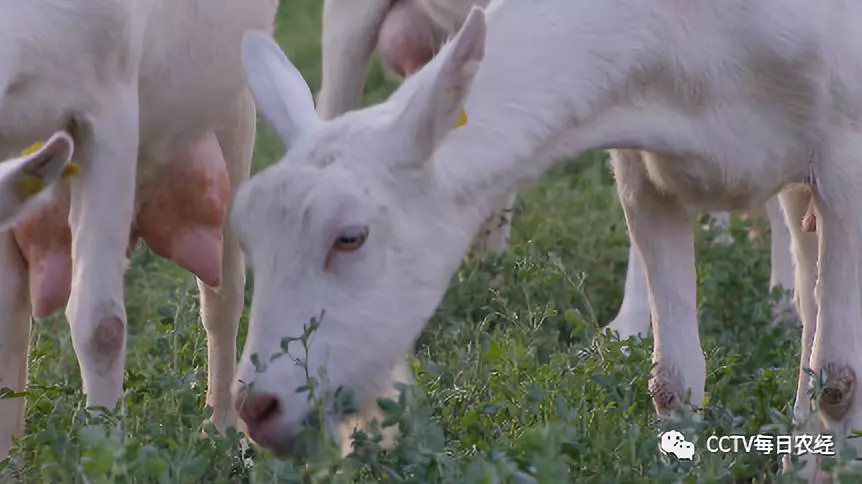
(221,307)
(14,338)
(781,260)
(660,228)
(794,202)
(633,318)
(349,36)
(102,203)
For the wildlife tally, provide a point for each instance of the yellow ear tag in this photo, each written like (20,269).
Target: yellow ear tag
(29,185)
(70,171)
(32,148)
(462,119)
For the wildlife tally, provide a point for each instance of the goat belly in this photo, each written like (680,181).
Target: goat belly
(183,208)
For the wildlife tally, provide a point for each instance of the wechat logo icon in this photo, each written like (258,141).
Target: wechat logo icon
(673,442)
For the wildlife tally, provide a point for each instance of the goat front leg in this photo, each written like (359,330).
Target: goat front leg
(661,229)
(14,338)
(794,201)
(633,319)
(837,349)
(102,203)
(221,308)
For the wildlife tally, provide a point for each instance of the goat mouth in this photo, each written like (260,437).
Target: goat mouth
(281,444)
(284,449)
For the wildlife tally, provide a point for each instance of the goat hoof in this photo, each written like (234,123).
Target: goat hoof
(665,388)
(837,396)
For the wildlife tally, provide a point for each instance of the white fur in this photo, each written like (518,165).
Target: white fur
(741,101)
(139,82)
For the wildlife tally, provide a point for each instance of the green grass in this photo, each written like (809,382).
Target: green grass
(520,384)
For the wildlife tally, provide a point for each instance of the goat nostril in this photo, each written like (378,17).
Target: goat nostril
(258,409)
(270,410)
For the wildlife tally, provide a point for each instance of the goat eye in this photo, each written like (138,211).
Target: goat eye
(351,239)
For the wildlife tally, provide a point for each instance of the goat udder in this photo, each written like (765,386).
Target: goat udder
(183,210)
(407,38)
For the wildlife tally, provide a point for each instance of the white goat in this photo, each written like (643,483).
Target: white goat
(154,95)
(406,33)
(368,215)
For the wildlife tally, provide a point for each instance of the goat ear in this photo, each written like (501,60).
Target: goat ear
(50,161)
(278,88)
(434,96)
(26,182)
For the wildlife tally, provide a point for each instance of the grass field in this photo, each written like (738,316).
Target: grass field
(521,385)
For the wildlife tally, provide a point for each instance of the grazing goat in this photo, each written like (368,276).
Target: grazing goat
(406,34)
(155,98)
(710,107)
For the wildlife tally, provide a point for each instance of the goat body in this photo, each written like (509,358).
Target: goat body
(154,96)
